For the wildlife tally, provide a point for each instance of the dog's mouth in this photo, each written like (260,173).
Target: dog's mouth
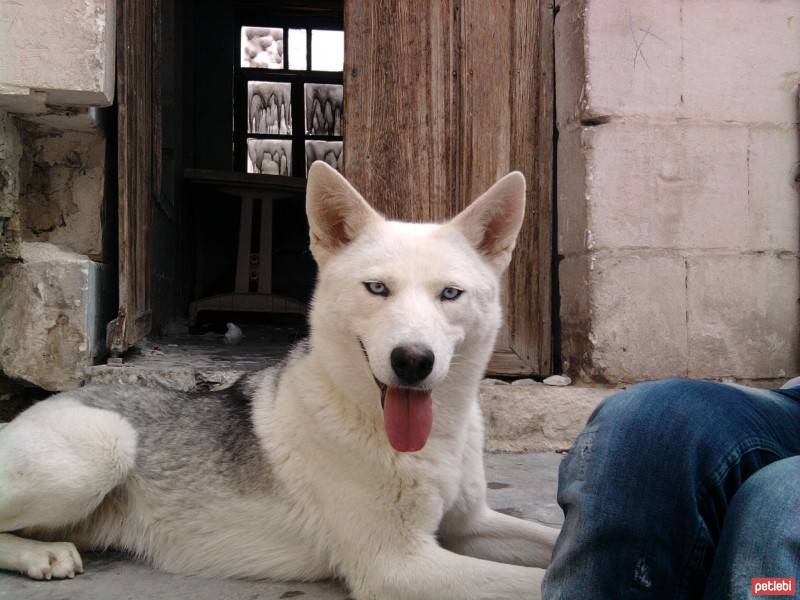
(407,413)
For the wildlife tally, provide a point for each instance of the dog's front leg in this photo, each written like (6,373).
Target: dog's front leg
(491,535)
(430,572)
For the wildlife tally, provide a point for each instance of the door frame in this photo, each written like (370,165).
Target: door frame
(139,125)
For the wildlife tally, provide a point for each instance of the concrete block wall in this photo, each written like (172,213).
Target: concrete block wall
(678,196)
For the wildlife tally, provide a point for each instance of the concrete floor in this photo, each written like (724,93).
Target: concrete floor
(520,484)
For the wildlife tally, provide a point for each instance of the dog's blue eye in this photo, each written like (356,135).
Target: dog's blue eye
(451,293)
(376,287)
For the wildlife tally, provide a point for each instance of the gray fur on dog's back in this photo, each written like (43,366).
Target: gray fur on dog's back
(189,437)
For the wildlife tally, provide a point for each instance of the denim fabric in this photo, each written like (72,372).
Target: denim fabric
(658,500)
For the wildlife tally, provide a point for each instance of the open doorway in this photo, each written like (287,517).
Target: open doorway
(244,96)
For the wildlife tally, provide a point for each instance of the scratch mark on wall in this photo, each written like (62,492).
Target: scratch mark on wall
(640,36)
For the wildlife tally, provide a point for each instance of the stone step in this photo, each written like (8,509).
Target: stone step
(537,417)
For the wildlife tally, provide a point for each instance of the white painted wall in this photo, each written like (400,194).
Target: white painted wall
(677,188)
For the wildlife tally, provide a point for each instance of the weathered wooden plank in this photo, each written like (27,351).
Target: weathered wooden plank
(484,89)
(529,298)
(398,120)
(443,98)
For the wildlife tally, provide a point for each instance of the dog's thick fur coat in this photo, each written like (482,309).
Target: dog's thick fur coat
(289,474)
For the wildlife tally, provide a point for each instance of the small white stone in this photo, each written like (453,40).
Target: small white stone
(526,381)
(557,380)
(490,381)
(234,335)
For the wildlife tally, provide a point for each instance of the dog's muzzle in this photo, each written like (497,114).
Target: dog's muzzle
(382,387)
(407,413)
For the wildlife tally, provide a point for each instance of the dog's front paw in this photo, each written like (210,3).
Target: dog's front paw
(54,560)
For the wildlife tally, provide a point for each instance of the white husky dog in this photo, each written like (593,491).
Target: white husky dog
(359,458)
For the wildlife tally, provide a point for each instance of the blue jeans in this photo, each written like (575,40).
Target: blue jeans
(680,489)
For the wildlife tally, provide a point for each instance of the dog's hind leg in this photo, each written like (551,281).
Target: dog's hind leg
(58,460)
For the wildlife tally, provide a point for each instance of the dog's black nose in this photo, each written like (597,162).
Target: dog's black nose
(412,363)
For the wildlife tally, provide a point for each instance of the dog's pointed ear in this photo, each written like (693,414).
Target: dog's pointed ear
(491,223)
(336,211)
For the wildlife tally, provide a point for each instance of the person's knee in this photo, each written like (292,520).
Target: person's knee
(646,405)
(674,413)
(772,493)
(626,430)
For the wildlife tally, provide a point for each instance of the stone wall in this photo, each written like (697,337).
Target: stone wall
(63,183)
(678,188)
(10,155)
(56,293)
(56,69)
(53,311)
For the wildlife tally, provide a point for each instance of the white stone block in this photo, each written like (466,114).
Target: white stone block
(741,60)
(633,58)
(638,317)
(64,48)
(744,316)
(679,186)
(773,190)
(51,316)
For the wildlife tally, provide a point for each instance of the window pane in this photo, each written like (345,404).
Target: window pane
(324,108)
(269,107)
(297,49)
(327,50)
(270,157)
(262,47)
(330,152)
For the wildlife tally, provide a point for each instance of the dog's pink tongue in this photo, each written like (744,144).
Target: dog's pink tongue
(408,416)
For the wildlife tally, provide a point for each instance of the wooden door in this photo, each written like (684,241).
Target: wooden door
(139,164)
(443,97)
